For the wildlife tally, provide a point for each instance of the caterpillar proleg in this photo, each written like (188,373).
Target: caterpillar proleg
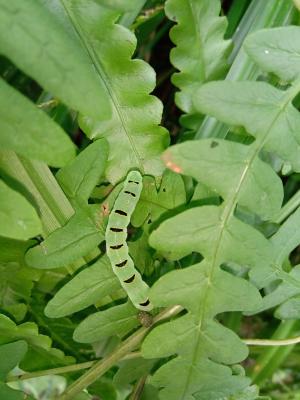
(116,246)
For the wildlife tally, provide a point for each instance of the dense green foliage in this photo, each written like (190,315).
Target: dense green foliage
(212,228)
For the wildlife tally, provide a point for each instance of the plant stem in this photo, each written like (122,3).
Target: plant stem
(138,389)
(273,357)
(37,183)
(272,342)
(64,370)
(105,364)
(136,354)
(12,165)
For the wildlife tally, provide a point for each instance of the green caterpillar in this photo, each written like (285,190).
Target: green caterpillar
(116,246)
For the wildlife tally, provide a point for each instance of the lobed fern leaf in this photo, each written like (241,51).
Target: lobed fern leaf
(134,135)
(200,343)
(201,51)
(286,293)
(40,354)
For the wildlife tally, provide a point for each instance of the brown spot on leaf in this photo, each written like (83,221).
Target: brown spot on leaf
(105,209)
(170,164)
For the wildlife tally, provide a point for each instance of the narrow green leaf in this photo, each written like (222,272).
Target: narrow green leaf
(85,289)
(77,238)
(39,44)
(276,50)
(19,219)
(10,355)
(117,320)
(29,131)
(79,177)
(134,135)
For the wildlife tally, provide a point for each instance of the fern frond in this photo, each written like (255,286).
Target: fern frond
(204,289)
(136,140)
(201,51)
(286,294)
(40,354)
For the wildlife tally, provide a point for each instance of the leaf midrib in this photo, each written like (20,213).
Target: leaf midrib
(105,80)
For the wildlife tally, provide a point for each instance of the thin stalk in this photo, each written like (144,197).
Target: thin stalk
(137,354)
(106,363)
(138,389)
(260,14)
(64,370)
(273,357)
(272,342)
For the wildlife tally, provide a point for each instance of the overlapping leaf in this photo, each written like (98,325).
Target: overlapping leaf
(52,54)
(134,135)
(86,228)
(79,177)
(16,279)
(153,203)
(277,51)
(29,131)
(40,354)
(82,233)
(262,191)
(205,290)
(10,355)
(19,219)
(286,294)
(117,320)
(201,51)
(85,289)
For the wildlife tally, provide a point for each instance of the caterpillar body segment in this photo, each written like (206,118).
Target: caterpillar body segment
(116,246)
